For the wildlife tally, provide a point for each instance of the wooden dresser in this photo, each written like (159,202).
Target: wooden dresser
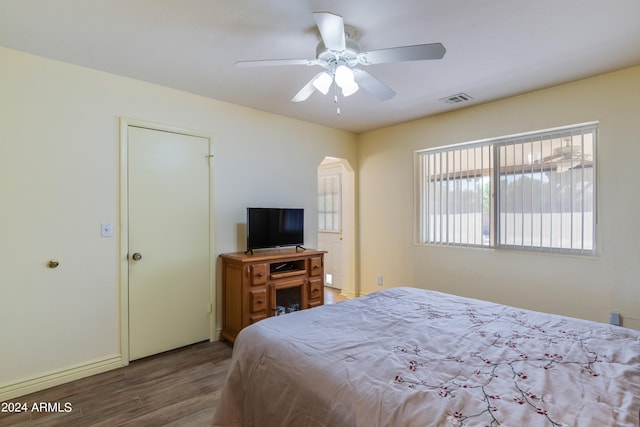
(268,283)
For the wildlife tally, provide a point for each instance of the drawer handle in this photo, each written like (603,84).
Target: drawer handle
(259,301)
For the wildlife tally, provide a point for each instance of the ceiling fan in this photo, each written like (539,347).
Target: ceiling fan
(568,156)
(340,57)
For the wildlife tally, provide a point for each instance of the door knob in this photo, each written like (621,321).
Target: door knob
(136,256)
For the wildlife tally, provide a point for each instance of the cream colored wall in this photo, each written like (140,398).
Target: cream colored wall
(582,287)
(59,175)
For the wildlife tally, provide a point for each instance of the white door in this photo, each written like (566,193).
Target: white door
(330,220)
(168,240)
(332,243)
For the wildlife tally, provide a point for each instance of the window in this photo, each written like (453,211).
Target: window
(329,203)
(534,191)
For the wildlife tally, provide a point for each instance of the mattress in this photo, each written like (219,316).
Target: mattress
(413,357)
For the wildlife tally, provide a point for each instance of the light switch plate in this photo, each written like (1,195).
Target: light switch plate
(106,229)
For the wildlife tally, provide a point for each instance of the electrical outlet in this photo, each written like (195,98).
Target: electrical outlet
(380,280)
(614,318)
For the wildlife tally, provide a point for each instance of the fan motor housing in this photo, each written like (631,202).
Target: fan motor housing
(348,56)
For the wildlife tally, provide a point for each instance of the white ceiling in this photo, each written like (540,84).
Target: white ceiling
(495,48)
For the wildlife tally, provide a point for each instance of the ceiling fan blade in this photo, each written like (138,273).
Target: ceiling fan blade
(418,52)
(372,85)
(547,159)
(331,28)
(306,91)
(272,62)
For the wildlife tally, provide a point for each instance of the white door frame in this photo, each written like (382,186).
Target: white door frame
(125,123)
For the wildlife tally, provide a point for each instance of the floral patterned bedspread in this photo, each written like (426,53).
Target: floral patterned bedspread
(412,357)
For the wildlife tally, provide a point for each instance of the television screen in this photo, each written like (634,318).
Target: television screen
(273,227)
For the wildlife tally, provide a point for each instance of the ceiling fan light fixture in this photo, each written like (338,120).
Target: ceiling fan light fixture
(350,89)
(339,54)
(323,82)
(345,79)
(344,75)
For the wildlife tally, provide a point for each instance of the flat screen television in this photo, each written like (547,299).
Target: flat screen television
(274,227)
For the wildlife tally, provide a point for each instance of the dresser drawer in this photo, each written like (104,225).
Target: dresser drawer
(258,300)
(315,266)
(258,274)
(316,292)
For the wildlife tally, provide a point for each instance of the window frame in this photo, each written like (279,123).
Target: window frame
(334,214)
(422,235)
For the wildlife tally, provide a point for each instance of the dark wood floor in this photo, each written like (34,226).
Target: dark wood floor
(177,388)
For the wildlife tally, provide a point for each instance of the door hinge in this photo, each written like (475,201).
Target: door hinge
(210,307)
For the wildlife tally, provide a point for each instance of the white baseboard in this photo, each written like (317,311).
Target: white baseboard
(348,294)
(41,382)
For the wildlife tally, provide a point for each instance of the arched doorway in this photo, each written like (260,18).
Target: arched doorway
(336,224)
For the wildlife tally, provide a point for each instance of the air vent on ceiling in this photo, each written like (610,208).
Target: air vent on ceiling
(457,98)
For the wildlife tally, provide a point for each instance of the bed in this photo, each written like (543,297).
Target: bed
(413,357)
